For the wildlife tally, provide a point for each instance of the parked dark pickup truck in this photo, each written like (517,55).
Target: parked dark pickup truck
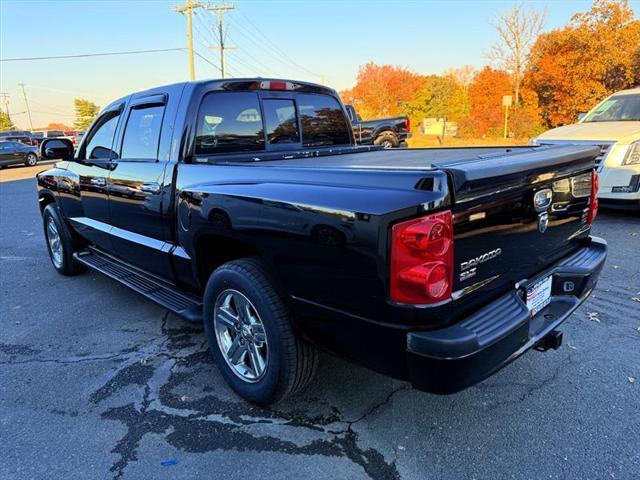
(387,132)
(246,205)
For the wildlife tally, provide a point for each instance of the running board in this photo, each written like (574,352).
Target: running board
(185,306)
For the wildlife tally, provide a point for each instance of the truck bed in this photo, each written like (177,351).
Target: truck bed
(472,169)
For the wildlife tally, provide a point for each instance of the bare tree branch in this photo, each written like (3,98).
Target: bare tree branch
(517,31)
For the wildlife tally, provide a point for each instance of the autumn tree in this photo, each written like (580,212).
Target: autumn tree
(5,122)
(485,95)
(574,67)
(57,126)
(439,97)
(517,31)
(381,90)
(86,112)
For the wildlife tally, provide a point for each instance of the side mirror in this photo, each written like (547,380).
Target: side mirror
(56,149)
(581,116)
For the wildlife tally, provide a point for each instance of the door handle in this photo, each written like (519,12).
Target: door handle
(99,181)
(150,187)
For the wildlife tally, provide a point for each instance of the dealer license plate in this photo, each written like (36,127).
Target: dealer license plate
(539,295)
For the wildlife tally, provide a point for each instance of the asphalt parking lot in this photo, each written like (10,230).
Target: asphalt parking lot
(99,383)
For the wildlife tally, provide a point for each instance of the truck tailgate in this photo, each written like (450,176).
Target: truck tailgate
(501,236)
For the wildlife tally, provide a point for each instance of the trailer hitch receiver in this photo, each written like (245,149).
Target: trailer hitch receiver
(551,340)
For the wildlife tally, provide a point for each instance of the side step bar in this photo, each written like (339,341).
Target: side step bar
(184,305)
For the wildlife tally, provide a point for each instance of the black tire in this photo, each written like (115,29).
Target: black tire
(31,160)
(387,140)
(67,265)
(291,361)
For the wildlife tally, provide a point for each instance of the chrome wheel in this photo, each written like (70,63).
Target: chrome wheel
(55,243)
(241,335)
(32,160)
(387,144)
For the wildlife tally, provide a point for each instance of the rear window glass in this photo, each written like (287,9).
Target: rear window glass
(281,121)
(142,135)
(229,122)
(323,121)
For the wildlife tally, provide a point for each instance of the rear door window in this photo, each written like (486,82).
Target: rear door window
(229,122)
(142,133)
(281,121)
(323,121)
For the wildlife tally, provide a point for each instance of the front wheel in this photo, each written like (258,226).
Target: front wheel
(250,334)
(31,160)
(60,243)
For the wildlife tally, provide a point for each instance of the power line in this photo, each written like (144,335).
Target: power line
(210,37)
(276,47)
(250,37)
(202,57)
(257,62)
(82,55)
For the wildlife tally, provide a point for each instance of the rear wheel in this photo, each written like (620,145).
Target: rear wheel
(387,140)
(60,243)
(250,334)
(31,160)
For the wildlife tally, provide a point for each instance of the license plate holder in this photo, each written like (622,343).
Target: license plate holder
(539,295)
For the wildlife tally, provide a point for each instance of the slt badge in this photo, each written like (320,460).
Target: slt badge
(541,202)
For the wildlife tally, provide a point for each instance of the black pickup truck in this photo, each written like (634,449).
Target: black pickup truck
(246,205)
(387,132)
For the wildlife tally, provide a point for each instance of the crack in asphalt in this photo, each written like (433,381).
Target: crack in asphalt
(209,423)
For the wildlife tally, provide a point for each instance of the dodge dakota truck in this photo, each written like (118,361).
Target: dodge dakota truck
(246,205)
(389,132)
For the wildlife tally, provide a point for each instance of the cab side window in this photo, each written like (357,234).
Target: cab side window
(229,122)
(323,122)
(142,133)
(100,144)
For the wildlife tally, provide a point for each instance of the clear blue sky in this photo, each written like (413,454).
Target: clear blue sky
(330,38)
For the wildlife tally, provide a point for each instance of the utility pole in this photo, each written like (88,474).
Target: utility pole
(188,7)
(24,94)
(5,101)
(220,9)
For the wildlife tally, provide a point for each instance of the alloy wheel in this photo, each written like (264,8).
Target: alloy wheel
(55,243)
(241,335)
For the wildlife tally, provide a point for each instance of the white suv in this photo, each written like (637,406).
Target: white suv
(614,126)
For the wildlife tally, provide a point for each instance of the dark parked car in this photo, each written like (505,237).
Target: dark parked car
(14,153)
(244,203)
(387,132)
(21,136)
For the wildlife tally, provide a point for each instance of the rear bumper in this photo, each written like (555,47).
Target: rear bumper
(451,359)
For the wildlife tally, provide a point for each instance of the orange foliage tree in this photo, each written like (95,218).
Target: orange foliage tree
(485,95)
(596,54)
(57,126)
(381,90)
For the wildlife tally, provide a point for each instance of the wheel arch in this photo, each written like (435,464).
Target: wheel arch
(45,197)
(213,249)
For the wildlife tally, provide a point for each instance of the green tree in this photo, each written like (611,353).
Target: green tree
(5,122)
(86,112)
(439,97)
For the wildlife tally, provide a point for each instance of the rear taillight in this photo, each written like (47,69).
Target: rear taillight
(407,125)
(593,203)
(422,259)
